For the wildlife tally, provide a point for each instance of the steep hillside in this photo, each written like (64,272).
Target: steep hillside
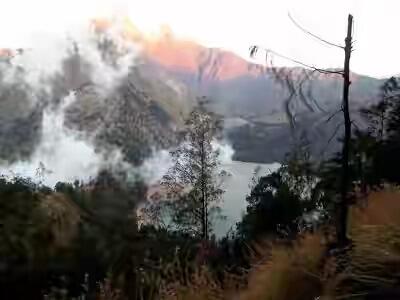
(134,112)
(263,120)
(144,109)
(238,86)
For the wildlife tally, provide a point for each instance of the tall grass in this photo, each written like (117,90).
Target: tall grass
(369,269)
(290,272)
(373,268)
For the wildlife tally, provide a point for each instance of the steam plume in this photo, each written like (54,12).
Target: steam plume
(60,153)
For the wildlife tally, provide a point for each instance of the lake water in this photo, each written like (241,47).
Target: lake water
(236,187)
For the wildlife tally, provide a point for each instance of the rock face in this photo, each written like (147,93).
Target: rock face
(127,120)
(140,115)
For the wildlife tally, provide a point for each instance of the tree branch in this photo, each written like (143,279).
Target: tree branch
(355,125)
(334,114)
(331,138)
(312,34)
(254,49)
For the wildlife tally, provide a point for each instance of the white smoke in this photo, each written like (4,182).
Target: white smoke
(106,75)
(225,151)
(158,164)
(63,154)
(47,51)
(39,62)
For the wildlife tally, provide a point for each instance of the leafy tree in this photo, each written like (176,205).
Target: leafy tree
(376,149)
(280,203)
(194,181)
(391,100)
(271,206)
(377,117)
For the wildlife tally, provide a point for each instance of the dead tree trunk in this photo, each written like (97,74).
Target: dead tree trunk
(343,205)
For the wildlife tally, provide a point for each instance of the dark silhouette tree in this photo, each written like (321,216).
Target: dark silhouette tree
(282,204)
(380,159)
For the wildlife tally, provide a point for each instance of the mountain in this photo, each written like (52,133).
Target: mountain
(262,121)
(263,117)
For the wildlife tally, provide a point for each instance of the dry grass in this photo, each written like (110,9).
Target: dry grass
(290,272)
(64,216)
(305,271)
(374,261)
(381,209)
(284,273)
(372,265)
(200,286)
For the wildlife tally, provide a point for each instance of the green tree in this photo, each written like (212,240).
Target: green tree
(282,203)
(194,181)
(376,149)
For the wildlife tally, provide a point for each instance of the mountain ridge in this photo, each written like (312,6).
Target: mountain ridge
(173,72)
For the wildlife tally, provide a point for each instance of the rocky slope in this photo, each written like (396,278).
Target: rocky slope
(138,114)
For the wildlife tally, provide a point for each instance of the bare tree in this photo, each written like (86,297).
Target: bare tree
(297,90)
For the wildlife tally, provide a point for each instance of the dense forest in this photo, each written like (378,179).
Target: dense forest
(104,239)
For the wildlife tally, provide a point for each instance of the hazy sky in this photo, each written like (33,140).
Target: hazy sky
(231,24)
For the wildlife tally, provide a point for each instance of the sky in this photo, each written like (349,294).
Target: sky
(231,24)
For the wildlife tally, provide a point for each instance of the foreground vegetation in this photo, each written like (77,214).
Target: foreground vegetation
(86,240)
